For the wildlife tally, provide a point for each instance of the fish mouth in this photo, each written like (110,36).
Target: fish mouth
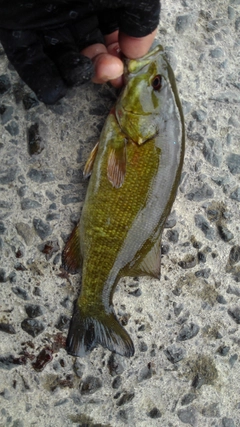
(134,66)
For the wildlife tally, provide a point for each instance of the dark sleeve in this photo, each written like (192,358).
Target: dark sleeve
(141,20)
(39,14)
(135,18)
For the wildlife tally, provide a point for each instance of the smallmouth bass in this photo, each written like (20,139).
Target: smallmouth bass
(135,171)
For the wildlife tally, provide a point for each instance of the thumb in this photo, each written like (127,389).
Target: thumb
(135,47)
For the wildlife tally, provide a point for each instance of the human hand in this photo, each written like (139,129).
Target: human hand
(66,43)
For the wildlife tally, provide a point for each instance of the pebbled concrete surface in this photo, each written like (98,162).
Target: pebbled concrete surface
(186,327)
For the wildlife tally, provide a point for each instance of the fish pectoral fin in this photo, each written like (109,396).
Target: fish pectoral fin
(151,263)
(87,331)
(90,161)
(71,255)
(116,168)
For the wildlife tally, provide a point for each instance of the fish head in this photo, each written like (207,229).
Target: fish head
(145,97)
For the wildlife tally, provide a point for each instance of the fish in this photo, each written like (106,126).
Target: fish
(134,170)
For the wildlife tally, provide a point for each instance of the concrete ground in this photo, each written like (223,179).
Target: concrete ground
(185,327)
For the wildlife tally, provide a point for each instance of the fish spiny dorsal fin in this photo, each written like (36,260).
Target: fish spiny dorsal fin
(116,168)
(71,256)
(90,162)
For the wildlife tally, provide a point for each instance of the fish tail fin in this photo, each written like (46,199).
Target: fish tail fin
(85,332)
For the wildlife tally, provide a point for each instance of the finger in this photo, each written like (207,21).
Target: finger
(111,38)
(113,49)
(94,50)
(118,82)
(107,67)
(25,52)
(135,47)
(112,44)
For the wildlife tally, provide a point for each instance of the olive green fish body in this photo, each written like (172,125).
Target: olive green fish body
(114,213)
(130,194)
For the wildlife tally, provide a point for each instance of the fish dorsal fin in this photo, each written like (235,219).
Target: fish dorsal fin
(116,168)
(151,263)
(71,255)
(90,161)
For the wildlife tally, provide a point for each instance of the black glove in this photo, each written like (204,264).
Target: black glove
(43,40)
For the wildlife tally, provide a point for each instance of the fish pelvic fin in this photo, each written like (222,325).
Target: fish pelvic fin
(86,332)
(90,162)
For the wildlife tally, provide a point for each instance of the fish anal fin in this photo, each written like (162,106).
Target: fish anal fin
(151,263)
(116,168)
(71,255)
(90,162)
(86,332)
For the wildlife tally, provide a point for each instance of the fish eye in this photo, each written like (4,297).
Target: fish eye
(157,82)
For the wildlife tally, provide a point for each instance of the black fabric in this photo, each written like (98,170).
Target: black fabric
(42,39)
(135,17)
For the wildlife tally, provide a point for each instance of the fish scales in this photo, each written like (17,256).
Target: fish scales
(122,215)
(135,175)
